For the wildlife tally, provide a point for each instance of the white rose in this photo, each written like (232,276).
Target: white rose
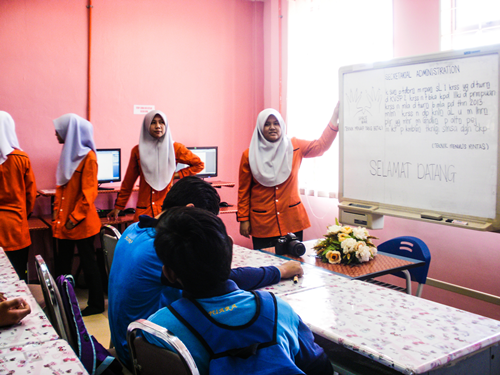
(334,229)
(360,233)
(348,245)
(363,254)
(373,250)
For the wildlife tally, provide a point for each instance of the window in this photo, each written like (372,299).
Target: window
(469,23)
(324,35)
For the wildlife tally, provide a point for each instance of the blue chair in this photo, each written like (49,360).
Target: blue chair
(410,247)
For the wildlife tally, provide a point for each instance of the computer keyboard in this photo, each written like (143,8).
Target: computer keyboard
(104,213)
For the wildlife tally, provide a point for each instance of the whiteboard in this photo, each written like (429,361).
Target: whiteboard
(419,137)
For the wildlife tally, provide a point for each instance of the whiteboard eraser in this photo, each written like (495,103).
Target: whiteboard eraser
(431,216)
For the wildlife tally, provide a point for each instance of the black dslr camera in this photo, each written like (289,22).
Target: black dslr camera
(289,244)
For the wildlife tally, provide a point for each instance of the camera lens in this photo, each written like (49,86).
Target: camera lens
(296,248)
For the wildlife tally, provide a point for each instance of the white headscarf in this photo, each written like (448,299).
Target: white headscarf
(78,136)
(270,162)
(157,155)
(8,137)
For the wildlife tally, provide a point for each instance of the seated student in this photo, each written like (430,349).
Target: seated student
(135,289)
(196,252)
(12,311)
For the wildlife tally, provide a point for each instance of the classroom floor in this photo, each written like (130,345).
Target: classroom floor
(97,325)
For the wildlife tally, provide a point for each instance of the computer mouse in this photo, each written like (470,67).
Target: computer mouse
(223,204)
(129,210)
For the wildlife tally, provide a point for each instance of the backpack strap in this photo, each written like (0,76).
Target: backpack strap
(204,322)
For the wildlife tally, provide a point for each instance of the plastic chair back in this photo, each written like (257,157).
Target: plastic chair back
(148,358)
(53,302)
(109,237)
(409,247)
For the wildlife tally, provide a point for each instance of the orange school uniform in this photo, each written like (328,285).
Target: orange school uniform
(75,200)
(149,201)
(17,200)
(278,210)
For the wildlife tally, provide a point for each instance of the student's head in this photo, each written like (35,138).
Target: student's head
(73,129)
(155,123)
(194,245)
(192,189)
(270,125)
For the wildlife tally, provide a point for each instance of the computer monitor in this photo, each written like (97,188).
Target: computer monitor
(109,165)
(208,155)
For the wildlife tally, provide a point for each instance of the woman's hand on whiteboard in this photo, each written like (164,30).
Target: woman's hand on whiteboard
(334,122)
(245,228)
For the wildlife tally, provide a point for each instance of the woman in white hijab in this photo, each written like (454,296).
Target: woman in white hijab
(154,159)
(75,219)
(269,204)
(17,196)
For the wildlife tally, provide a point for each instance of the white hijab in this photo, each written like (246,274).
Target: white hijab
(157,155)
(270,162)
(8,137)
(78,136)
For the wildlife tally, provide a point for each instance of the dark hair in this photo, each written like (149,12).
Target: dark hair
(193,243)
(192,189)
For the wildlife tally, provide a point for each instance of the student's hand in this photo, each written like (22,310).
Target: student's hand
(290,269)
(334,122)
(113,214)
(70,225)
(12,311)
(245,228)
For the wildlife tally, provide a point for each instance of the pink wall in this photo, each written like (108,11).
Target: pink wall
(201,62)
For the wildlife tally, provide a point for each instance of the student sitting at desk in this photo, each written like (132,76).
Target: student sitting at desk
(17,197)
(154,160)
(75,220)
(135,287)
(215,314)
(269,204)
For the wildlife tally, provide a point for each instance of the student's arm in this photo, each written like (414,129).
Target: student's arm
(185,156)
(30,185)
(319,146)
(311,357)
(133,171)
(245,182)
(89,191)
(250,278)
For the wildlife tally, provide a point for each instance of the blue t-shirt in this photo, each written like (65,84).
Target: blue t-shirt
(135,290)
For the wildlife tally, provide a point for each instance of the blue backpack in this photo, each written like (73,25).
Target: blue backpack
(251,348)
(95,358)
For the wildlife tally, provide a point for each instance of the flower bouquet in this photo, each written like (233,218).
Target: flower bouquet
(346,245)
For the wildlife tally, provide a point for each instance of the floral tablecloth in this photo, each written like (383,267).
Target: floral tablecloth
(52,357)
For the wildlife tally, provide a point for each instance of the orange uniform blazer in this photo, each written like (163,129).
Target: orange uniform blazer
(17,199)
(149,201)
(75,200)
(276,211)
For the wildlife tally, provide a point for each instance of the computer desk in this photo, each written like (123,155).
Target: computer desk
(397,331)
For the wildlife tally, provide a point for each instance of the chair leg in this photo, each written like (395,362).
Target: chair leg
(419,290)
(408,281)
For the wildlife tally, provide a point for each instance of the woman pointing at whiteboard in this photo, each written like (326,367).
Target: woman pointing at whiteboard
(269,204)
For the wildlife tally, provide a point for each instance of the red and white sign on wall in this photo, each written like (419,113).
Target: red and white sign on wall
(142,109)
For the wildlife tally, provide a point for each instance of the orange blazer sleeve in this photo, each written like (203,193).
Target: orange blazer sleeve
(89,190)
(185,156)
(133,171)
(30,185)
(311,149)
(244,189)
